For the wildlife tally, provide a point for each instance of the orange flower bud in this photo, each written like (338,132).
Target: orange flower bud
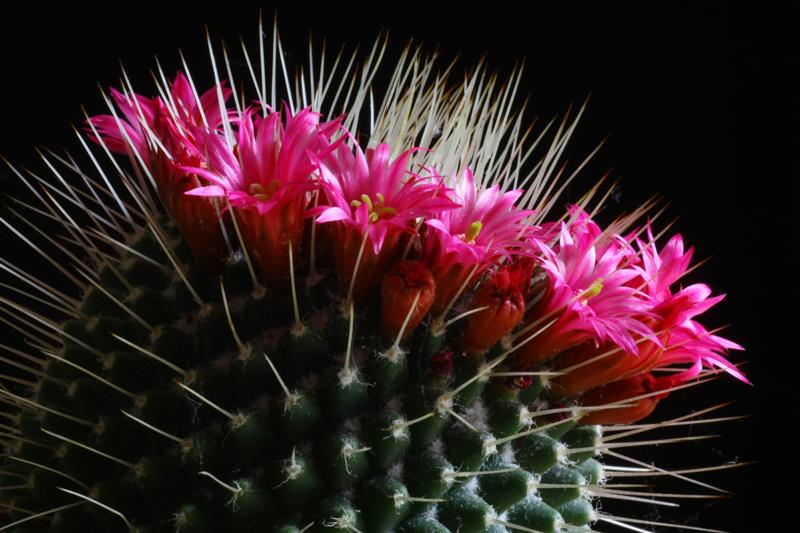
(502,295)
(401,285)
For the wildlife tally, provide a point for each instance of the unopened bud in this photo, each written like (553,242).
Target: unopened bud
(404,283)
(502,298)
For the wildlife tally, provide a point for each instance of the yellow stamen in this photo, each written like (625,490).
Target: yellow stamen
(474,230)
(375,209)
(264,193)
(367,200)
(593,290)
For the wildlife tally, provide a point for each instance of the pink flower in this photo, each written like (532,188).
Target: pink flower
(686,341)
(690,343)
(266,177)
(682,340)
(166,136)
(173,123)
(109,129)
(270,164)
(373,200)
(589,295)
(660,270)
(467,240)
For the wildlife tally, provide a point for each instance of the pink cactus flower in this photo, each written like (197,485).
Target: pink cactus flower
(590,296)
(266,177)
(685,340)
(682,340)
(165,135)
(174,123)
(372,200)
(463,242)
(691,343)
(111,131)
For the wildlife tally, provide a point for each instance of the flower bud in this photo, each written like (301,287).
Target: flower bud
(502,296)
(404,283)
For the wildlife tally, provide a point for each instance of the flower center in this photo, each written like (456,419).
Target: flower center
(472,233)
(376,209)
(261,192)
(593,290)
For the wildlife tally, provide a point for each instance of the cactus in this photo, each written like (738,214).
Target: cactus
(269,329)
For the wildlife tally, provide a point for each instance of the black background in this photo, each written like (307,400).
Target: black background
(690,98)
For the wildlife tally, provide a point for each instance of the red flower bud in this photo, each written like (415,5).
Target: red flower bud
(401,285)
(502,295)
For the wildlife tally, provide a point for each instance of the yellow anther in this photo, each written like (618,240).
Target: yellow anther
(264,193)
(367,200)
(258,192)
(375,209)
(474,230)
(594,289)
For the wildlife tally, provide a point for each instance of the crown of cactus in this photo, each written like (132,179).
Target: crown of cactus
(274,322)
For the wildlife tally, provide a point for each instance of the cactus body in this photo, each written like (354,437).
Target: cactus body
(342,436)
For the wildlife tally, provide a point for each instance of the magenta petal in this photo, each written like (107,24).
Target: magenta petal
(434,223)
(207,174)
(377,233)
(332,214)
(210,190)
